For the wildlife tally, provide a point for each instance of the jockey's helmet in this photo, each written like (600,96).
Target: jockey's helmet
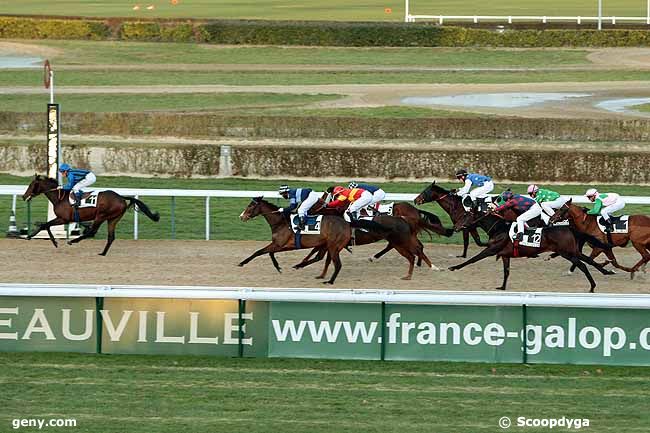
(532,189)
(284,189)
(64,167)
(353,185)
(592,192)
(461,173)
(337,190)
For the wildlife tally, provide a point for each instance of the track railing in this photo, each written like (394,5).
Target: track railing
(207,194)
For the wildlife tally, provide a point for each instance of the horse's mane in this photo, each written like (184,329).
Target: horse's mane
(438,188)
(45,178)
(269,204)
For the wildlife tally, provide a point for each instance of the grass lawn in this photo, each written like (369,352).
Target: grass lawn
(170,394)
(224,212)
(341,10)
(392,112)
(245,78)
(116,102)
(160,53)
(643,107)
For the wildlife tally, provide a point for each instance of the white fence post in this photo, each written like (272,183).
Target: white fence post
(207,218)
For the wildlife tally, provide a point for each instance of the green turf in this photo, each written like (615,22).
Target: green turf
(159,53)
(171,394)
(392,112)
(116,102)
(369,10)
(643,107)
(224,212)
(241,78)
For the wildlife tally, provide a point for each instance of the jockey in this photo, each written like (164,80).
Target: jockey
(546,201)
(605,205)
(483,185)
(301,198)
(356,197)
(518,203)
(78,178)
(378,194)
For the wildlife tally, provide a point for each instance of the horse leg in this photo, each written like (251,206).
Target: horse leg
(422,256)
(381,253)
(55,222)
(306,259)
(111,233)
(318,258)
(334,252)
(90,233)
(477,238)
(576,261)
(488,252)
(465,244)
(328,260)
(645,257)
(275,262)
(598,266)
(420,252)
(408,255)
(506,272)
(270,248)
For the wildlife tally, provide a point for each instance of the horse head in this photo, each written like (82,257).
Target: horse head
(253,209)
(431,193)
(562,213)
(39,185)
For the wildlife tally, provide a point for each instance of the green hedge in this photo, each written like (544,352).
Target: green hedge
(314,33)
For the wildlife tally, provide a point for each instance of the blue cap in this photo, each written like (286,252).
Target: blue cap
(64,167)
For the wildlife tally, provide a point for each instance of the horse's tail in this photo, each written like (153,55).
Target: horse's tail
(591,240)
(431,223)
(139,206)
(371,226)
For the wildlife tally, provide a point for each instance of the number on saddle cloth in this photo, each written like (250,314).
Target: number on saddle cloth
(619,224)
(88,199)
(532,237)
(312,224)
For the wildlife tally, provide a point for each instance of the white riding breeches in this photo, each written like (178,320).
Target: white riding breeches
(361,202)
(84,183)
(607,211)
(307,204)
(481,191)
(534,211)
(549,207)
(378,196)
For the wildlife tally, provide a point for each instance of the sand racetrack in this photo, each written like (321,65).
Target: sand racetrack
(214,263)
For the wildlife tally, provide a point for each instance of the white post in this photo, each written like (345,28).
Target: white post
(51,87)
(135,222)
(600,14)
(406,11)
(13,204)
(207,218)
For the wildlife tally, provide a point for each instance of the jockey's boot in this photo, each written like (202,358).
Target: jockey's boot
(608,226)
(519,237)
(77,203)
(301,223)
(353,216)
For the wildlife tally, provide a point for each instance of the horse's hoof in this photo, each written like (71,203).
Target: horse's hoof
(102,254)
(452,268)
(461,257)
(632,275)
(434,268)
(406,278)
(296,266)
(56,245)
(568,273)
(320,277)
(69,242)
(370,259)
(499,288)
(279,270)
(328,282)
(241,265)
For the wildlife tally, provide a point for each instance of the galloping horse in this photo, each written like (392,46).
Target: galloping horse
(560,240)
(335,234)
(638,234)
(110,207)
(451,204)
(402,237)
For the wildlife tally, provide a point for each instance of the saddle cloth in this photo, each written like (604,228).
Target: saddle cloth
(312,224)
(88,199)
(620,224)
(532,237)
(482,203)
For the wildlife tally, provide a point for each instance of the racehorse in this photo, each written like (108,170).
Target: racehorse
(402,237)
(452,204)
(557,239)
(110,207)
(334,236)
(638,234)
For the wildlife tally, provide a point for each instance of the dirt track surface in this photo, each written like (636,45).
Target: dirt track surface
(214,263)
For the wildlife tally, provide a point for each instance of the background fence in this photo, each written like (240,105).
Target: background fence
(208,197)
